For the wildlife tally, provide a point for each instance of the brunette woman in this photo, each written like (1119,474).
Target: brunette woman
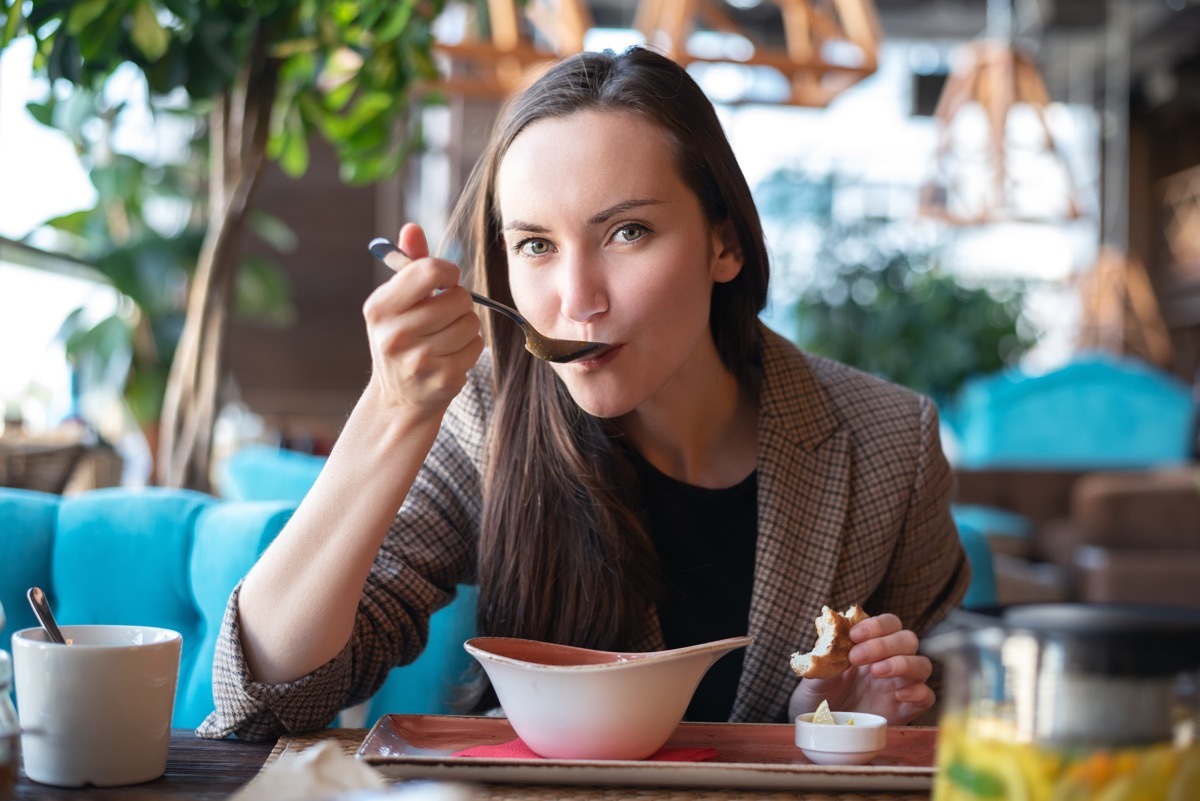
(702,479)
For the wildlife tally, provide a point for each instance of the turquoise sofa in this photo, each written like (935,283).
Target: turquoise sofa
(153,557)
(263,472)
(171,558)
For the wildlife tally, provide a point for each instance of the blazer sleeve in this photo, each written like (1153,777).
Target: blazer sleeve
(429,550)
(928,573)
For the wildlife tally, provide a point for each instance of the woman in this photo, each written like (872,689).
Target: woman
(702,479)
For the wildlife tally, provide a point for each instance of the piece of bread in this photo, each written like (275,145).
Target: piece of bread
(855,614)
(830,655)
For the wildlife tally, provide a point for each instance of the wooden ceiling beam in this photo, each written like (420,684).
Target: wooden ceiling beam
(502,63)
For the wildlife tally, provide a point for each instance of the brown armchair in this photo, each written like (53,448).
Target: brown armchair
(1102,535)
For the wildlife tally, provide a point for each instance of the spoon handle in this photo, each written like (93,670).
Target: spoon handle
(41,608)
(507,311)
(397,259)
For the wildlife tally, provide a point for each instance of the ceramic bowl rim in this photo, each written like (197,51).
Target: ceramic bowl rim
(623,660)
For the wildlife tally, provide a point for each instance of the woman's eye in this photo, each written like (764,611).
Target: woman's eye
(630,233)
(533,247)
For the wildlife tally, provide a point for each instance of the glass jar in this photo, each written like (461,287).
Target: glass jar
(10,731)
(1071,702)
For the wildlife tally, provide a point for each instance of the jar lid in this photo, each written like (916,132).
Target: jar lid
(1115,639)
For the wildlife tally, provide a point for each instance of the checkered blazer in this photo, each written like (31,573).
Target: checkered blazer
(853,507)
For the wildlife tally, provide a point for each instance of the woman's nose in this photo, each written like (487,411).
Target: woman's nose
(582,291)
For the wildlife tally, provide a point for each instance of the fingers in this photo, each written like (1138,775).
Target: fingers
(880,637)
(906,668)
(880,648)
(887,675)
(919,696)
(400,318)
(415,284)
(889,650)
(876,626)
(412,241)
(423,329)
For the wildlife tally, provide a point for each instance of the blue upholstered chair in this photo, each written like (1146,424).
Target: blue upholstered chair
(152,557)
(1099,411)
(266,473)
(427,686)
(981,593)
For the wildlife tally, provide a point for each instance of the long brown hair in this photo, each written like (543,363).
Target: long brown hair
(563,553)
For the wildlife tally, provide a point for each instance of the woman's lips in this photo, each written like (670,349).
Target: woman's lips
(601,360)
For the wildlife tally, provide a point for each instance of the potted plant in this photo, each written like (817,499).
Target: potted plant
(262,78)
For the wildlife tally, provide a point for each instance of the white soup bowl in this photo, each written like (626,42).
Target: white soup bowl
(578,703)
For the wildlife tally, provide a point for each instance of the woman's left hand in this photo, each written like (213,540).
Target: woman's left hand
(886,675)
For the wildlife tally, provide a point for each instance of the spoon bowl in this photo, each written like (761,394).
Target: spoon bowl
(543,347)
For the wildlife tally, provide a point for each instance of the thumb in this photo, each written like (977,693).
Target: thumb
(412,241)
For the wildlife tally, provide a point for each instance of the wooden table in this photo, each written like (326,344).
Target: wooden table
(197,770)
(207,770)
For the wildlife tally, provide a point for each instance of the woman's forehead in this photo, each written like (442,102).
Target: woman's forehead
(618,123)
(590,151)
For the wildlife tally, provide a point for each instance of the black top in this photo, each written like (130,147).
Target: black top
(705,540)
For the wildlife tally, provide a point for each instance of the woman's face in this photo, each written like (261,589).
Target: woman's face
(605,242)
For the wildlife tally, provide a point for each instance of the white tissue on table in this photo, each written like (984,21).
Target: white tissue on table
(325,772)
(414,791)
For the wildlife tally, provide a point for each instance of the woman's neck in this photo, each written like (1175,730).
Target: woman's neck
(701,432)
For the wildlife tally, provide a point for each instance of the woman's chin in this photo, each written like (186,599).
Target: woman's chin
(603,406)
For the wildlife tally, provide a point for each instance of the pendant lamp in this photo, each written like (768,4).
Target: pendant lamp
(829,45)
(997,158)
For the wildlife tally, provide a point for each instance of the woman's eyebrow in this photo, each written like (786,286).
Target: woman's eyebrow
(620,208)
(595,219)
(521,225)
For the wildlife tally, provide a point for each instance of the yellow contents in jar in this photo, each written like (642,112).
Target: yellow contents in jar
(974,766)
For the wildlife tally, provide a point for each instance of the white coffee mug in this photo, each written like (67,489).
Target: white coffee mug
(98,710)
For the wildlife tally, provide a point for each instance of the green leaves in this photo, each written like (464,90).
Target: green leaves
(289,146)
(875,296)
(346,67)
(85,13)
(346,76)
(340,69)
(12,21)
(148,36)
(262,293)
(901,317)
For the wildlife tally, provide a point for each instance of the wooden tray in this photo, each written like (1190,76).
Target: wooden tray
(749,755)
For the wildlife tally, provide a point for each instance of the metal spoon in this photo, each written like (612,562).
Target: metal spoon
(41,608)
(551,350)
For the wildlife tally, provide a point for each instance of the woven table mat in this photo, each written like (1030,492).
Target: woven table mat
(350,739)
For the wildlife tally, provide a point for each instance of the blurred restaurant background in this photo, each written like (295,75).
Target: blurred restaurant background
(994,202)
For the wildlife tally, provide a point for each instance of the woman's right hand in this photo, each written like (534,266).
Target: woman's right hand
(423,341)
(298,604)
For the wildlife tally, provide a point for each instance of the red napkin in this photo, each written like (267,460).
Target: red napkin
(516,749)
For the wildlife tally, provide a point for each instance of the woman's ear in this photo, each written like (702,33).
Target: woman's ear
(727,253)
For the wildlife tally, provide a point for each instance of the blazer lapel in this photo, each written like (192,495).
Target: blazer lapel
(803,496)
